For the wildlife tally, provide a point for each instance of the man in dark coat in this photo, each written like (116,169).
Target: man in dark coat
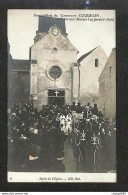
(60,138)
(35,161)
(95,110)
(73,107)
(78,108)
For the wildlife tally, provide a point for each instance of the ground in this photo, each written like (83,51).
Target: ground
(69,160)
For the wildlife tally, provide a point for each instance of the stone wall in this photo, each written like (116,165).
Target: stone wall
(52,51)
(89,85)
(19,87)
(107,87)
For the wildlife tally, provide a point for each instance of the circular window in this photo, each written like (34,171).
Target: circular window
(55,72)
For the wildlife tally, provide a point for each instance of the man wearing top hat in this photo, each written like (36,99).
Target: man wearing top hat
(95,110)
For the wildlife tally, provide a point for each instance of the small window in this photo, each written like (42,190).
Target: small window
(54,49)
(34,61)
(110,69)
(96,62)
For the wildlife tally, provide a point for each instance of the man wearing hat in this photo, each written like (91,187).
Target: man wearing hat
(35,161)
(73,107)
(95,110)
(79,108)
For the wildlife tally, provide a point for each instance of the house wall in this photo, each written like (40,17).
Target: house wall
(107,87)
(89,85)
(19,87)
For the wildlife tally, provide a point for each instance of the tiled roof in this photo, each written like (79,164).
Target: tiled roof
(85,55)
(21,65)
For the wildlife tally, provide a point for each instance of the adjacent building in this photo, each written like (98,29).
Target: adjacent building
(107,87)
(19,81)
(91,65)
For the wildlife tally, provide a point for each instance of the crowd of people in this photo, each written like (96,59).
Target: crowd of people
(36,138)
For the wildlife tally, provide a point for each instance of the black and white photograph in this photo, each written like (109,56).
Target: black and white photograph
(61,95)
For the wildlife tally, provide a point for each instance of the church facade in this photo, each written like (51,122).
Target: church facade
(52,74)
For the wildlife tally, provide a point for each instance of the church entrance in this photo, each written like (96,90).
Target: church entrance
(56,97)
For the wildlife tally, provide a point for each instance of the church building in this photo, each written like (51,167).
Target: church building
(54,74)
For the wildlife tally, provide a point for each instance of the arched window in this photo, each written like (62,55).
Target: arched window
(96,62)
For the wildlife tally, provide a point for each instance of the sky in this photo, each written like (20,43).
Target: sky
(84,35)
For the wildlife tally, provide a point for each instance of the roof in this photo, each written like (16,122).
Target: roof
(21,65)
(10,61)
(46,22)
(85,55)
(107,62)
